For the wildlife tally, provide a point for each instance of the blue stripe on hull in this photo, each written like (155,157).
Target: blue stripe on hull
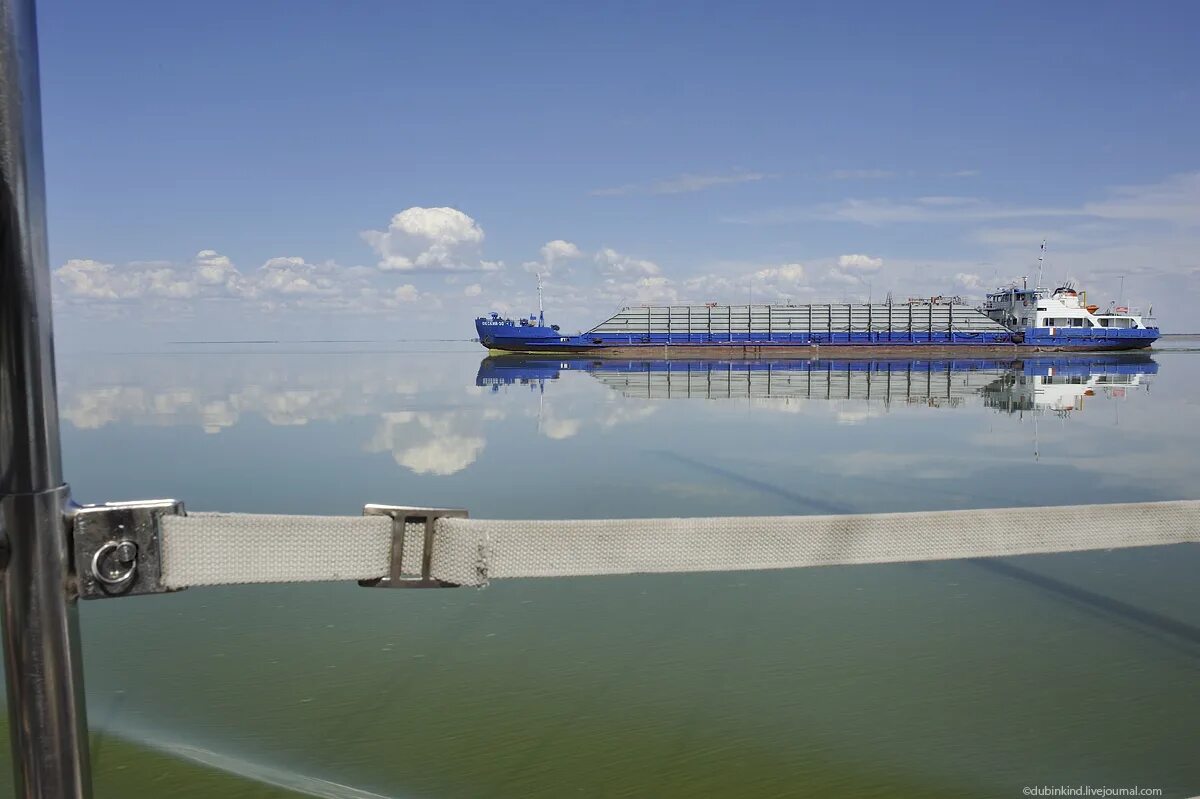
(864,340)
(505,335)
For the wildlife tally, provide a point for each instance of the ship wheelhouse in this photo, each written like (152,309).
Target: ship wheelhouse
(1012,307)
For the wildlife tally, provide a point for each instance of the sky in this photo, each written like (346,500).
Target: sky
(383,170)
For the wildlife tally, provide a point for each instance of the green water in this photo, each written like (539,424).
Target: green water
(937,679)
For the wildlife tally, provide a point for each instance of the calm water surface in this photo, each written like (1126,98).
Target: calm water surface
(935,679)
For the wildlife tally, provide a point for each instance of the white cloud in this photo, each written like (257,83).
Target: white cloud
(843,278)
(683,184)
(281,282)
(861,263)
(969,281)
(713,288)
(210,274)
(559,250)
(788,273)
(612,263)
(166,282)
(779,282)
(429,239)
(214,269)
(88,279)
(653,290)
(554,253)
(292,275)
(473,290)
(406,293)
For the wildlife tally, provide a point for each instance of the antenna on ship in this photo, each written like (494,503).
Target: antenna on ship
(541,312)
(1041,257)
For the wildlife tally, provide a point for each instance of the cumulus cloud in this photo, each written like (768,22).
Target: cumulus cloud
(88,279)
(473,290)
(281,282)
(788,273)
(632,280)
(777,282)
(209,274)
(969,281)
(613,264)
(559,250)
(651,291)
(861,263)
(292,275)
(406,293)
(429,239)
(843,278)
(214,269)
(554,253)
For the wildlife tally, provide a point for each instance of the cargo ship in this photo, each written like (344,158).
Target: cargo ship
(1012,320)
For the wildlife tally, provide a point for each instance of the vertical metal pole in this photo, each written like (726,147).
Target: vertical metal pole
(41,639)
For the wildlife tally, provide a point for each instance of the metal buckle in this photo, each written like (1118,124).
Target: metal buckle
(118,547)
(402,516)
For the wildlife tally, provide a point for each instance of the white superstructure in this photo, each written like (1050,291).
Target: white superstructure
(1023,308)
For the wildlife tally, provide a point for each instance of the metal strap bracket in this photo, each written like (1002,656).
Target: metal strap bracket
(118,547)
(402,516)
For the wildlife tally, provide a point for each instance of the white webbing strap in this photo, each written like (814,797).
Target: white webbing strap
(224,548)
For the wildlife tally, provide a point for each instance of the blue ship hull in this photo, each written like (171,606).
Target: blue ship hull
(933,329)
(533,340)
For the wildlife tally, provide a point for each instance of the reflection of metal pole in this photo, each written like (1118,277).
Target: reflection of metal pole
(41,641)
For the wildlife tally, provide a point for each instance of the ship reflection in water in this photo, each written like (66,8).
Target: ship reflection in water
(1053,385)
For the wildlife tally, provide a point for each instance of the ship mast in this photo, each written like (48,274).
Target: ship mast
(541,312)
(1041,256)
